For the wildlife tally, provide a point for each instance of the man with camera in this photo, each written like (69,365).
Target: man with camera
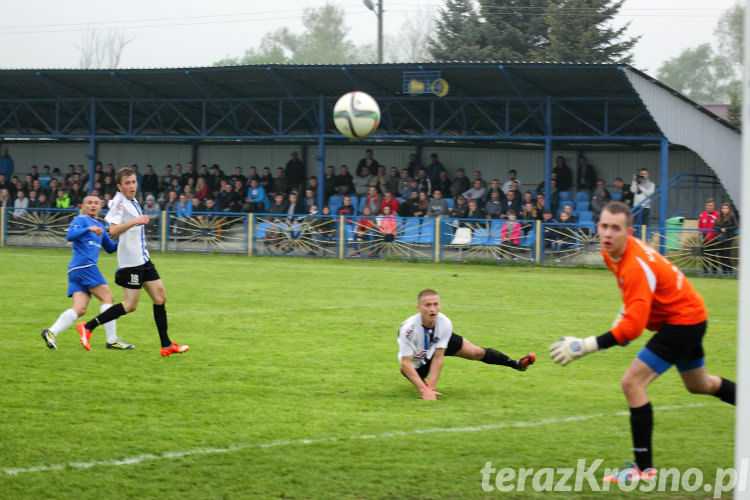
(642,189)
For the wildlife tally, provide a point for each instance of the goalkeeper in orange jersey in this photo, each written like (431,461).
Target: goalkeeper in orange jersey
(656,296)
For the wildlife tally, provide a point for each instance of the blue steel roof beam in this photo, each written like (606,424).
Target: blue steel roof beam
(12,118)
(34,112)
(357,80)
(199,82)
(260,116)
(187,120)
(455,113)
(101,105)
(522,122)
(578,118)
(385,116)
(8,93)
(153,94)
(299,117)
(279,81)
(153,114)
(400,137)
(5,116)
(124,84)
(226,115)
(46,79)
(83,122)
(520,95)
(410,114)
(486,115)
(637,117)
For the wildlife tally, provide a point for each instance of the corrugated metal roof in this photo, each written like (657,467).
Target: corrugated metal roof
(689,124)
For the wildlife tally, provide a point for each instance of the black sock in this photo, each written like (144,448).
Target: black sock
(493,357)
(160,316)
(110,314)
(726,391)
(641,425)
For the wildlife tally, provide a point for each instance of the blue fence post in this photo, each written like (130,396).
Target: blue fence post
(163,230)
(436,241)
(664,190)
(342,236)
(250,224)
(2,226)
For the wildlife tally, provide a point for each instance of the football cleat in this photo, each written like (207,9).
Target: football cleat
(49,338)
(84,334)
(174,349)
(629,474)
(526,361)
(119,344)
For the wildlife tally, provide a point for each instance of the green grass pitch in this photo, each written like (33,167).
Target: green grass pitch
(291,387)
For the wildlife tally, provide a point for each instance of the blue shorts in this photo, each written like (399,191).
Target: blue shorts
(84,279)
(679,345)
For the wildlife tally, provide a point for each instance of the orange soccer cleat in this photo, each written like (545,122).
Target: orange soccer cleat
(84,334)
(174,349)
(526,361)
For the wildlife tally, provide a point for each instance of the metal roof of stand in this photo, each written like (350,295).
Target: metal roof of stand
(489,103)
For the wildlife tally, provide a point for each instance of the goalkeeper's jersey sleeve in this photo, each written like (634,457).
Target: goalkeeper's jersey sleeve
(654,292)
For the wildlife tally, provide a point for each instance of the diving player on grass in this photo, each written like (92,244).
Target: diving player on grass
(656,296)
(427,337)
(88,236)
(136,269)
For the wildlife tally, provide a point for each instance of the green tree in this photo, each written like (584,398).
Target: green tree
(516,29)
(729,33)
(699,74)
(458,34)
(324,41)
(581,31)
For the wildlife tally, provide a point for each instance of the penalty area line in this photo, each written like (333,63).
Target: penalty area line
(150,457)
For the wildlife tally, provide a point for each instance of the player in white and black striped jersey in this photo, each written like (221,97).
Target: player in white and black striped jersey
(136,270)
(427,337)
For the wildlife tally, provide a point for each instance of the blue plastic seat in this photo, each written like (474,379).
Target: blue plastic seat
(334,203)
(529,240)
(260,231)
(581,206)
(582,196)
(617,196)
(427,232)
(450,201)
(409,230)
(495,236)
(585,216)
(564,196)
(480,236)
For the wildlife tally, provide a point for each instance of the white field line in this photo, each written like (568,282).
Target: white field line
(298,442)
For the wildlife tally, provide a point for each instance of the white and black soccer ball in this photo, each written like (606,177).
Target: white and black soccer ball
(356,114)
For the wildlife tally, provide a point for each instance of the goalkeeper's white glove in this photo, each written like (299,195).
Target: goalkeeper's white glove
(567,349)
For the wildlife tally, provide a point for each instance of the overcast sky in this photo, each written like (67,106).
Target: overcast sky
(171,33)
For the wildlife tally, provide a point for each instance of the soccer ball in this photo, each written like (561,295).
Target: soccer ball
(356,114)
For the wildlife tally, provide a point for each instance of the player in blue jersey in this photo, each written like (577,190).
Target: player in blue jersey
(88,236)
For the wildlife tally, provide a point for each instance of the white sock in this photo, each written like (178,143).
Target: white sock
(66,319)
(109,328)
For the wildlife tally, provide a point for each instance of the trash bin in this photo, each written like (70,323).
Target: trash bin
(674,233)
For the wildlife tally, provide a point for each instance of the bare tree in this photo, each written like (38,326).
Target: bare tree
(100,49)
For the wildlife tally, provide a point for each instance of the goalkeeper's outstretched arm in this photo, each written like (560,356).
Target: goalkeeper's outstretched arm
(568,349)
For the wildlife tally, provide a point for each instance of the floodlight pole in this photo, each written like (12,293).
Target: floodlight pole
(742,430)
(379,13)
